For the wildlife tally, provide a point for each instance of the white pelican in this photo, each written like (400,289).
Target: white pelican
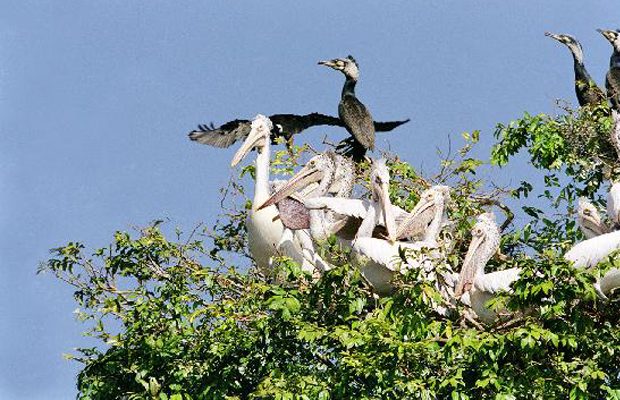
(264,227)
(331,174)
(474,286)
(379,259)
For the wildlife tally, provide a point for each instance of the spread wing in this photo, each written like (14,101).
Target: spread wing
(224,136)
(357,120)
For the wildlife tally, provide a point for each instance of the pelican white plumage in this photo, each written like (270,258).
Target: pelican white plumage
(264,227)
(475,287)
(600,243)
(379,260)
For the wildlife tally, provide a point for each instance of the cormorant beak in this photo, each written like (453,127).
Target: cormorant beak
(609,35)
(255,139)
(419,208)
(329,63)
(554,36)
(306,176)
(468,271)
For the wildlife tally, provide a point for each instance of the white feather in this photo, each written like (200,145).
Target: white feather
(590,252)
(613,202)
(494,282)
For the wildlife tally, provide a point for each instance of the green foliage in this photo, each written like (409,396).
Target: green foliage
(177,320)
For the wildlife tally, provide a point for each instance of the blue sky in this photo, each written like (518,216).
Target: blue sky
(96,99)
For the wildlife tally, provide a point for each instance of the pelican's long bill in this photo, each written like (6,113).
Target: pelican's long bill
(468,271)
(261,129)
(306,176)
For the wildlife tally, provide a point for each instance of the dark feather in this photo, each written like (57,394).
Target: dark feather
(357,120)
(612,84)
(224,136)
(389,125)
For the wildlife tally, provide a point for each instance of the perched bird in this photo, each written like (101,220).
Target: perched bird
(612,80)
(284,125)
(588,93)
(475,287)
(264,227)
(352,112)
(331,174)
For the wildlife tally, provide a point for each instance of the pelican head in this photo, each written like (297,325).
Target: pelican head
(380,188)
(320,168)
(572,43)
(613,36)
(432,201)
(589,220)
(484,243)
(348,66)
(257,138)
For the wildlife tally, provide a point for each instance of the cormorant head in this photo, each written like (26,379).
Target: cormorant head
(347,66)
(572,43)
(612,36)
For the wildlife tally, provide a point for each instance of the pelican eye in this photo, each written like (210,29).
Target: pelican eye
(586,212)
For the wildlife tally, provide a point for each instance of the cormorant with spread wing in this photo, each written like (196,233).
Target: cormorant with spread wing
(612,80)
(352,112)
(284,125)
(588,93)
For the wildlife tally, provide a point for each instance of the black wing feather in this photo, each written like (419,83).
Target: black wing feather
(224,136)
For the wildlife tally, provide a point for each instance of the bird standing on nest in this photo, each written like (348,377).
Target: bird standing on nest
(352,112)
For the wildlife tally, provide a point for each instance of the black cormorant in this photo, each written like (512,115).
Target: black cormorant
(352,112)
(284,125)
(612,81)
(588,93)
